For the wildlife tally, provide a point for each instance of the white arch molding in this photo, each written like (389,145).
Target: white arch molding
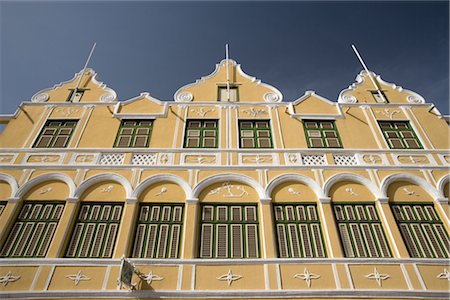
(228,177)
(12,183)
(104,177)
(297,178)
(412,179)
(353,178)
(46,177)
(441,184)
(159,178)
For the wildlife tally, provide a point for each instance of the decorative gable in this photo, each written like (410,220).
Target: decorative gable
(311,105)
(364,91)
(243,88)
(143,106)
(88,90)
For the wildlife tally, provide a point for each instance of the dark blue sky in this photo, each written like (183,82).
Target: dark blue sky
(160,46)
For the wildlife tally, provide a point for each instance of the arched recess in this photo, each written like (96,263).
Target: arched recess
(147,183)
(222,178)
(443,186)
(422,183)
(23,190)
(11,181)
(310,183)
(353,178)
(107,177)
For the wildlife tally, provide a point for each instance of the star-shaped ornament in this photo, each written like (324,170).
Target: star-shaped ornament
(9,277)
(76,278)
(307,276)
(444,275)
(378,276)
(150,277)
(229,277)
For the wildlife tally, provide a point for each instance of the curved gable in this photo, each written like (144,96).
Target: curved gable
(208,88)
(92,90)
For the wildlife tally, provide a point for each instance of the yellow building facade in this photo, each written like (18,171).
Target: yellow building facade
(226,192)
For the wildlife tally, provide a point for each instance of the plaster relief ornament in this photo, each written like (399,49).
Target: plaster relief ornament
(76,278)
(107,98)
(271,97)
(164,159)
(386,112)
(107,189)
(377,276)
(350,191)
(67,111)
(293,192)
(415,99)
(185,97)
(349,99)
(201,159)
(410,193)
(230,191)
(307,276)
(293,158)
(374,159)
(229,277)
(259,159)
(42,97)
(255,111)
(202,111)
(6,158)
(9,277)
(444,275)
(411,159)
(45,191)
(85,158)
(163,190)
(150,277)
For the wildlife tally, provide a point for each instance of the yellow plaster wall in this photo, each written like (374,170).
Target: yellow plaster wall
(166,192)
(252,277)
(5,190)
(101,130)
(229,192)
(15,134)
(407,192)
(292,130)
(293,192)
(436,128)
(49,190)
(104,191)
(395,281)
(324,281)
(347,191)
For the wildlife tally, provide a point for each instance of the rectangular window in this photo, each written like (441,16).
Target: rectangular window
(75,95)
(360,230)
(378,98)
(134,134)
(422,230)
(33,230)
(298,231)
(255,134)
(201,134)
(95,231)
(229,231)
(56,134)
(158,231)
(322,134)
(2,206)
(399,135)
(223,94)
